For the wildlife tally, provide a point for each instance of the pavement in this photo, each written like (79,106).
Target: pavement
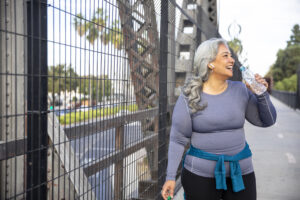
(276,156)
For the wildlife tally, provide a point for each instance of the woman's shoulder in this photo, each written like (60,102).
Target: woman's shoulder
(183,99)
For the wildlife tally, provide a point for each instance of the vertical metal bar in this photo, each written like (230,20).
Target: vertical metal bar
(37,100)
(71,78)
(53,98)
(16,98)
(298,88)
(65,97)
(118,182)
(60,85)
(5,89)
(163,98)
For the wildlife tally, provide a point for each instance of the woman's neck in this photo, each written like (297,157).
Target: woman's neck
(215,86)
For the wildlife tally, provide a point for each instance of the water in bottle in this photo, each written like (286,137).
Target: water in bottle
(249,77)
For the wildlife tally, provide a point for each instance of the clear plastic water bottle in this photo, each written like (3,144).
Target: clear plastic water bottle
(249,77)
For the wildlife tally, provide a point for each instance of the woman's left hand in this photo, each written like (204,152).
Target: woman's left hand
(261,80)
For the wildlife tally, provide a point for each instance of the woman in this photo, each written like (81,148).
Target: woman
(210,113)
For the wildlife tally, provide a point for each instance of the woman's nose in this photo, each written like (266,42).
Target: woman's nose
(232,59)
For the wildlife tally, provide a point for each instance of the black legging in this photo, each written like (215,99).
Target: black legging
(203,188)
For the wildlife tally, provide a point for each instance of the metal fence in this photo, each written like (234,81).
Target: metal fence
(289,98)
(87,91)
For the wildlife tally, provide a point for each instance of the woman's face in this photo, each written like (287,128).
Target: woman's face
(223,64)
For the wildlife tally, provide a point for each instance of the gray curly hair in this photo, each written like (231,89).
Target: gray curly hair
(205,54)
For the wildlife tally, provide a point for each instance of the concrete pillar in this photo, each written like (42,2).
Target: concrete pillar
(12,94)
(171,55)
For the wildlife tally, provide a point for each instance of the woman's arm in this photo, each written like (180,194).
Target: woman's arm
(260,110)
(181,131)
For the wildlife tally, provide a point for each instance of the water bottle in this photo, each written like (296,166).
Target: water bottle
(249,77)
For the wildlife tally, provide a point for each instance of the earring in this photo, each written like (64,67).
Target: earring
(212,66)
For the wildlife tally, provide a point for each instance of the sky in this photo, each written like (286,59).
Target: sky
(266,27)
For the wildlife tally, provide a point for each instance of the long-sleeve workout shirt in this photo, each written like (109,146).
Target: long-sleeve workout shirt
(218,129)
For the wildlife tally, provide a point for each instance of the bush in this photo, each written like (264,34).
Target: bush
(287,84)
(79,116)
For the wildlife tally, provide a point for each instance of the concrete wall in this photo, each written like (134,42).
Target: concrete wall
(13,93)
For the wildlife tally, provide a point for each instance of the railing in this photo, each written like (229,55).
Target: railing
(122,147)
(289,98)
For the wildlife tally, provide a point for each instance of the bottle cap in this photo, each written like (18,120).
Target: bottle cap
(242,68)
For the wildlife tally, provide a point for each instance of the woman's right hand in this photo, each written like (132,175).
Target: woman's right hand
(168,189)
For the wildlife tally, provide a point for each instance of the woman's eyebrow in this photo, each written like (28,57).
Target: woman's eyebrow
(225,52)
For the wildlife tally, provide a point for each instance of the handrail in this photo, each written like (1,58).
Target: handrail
(288,98)
(119,155)
(18,147)
(83,129)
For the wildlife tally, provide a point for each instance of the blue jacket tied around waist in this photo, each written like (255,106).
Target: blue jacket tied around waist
(220,172)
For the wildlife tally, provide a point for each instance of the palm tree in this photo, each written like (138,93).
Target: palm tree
(96,28)
(79,26)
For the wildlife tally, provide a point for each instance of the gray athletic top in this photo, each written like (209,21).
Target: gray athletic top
(218,129)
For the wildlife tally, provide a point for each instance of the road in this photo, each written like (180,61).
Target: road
(276,156)
(91,148)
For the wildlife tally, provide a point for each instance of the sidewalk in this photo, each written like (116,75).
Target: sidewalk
(276,156)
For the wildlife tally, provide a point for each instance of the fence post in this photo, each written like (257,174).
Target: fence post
(298,88)
(37,100)
(118,177)
(163,98)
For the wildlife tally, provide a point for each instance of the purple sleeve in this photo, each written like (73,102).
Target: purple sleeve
(260,110)
(181,131)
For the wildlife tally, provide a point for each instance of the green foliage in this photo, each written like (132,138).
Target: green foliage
(287,84)
(295,37)
(284,69)
(97,86)
(236,46)
(79,116)
(79,24)
(61,78)
(132,108)
(96,28)
(287,62)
